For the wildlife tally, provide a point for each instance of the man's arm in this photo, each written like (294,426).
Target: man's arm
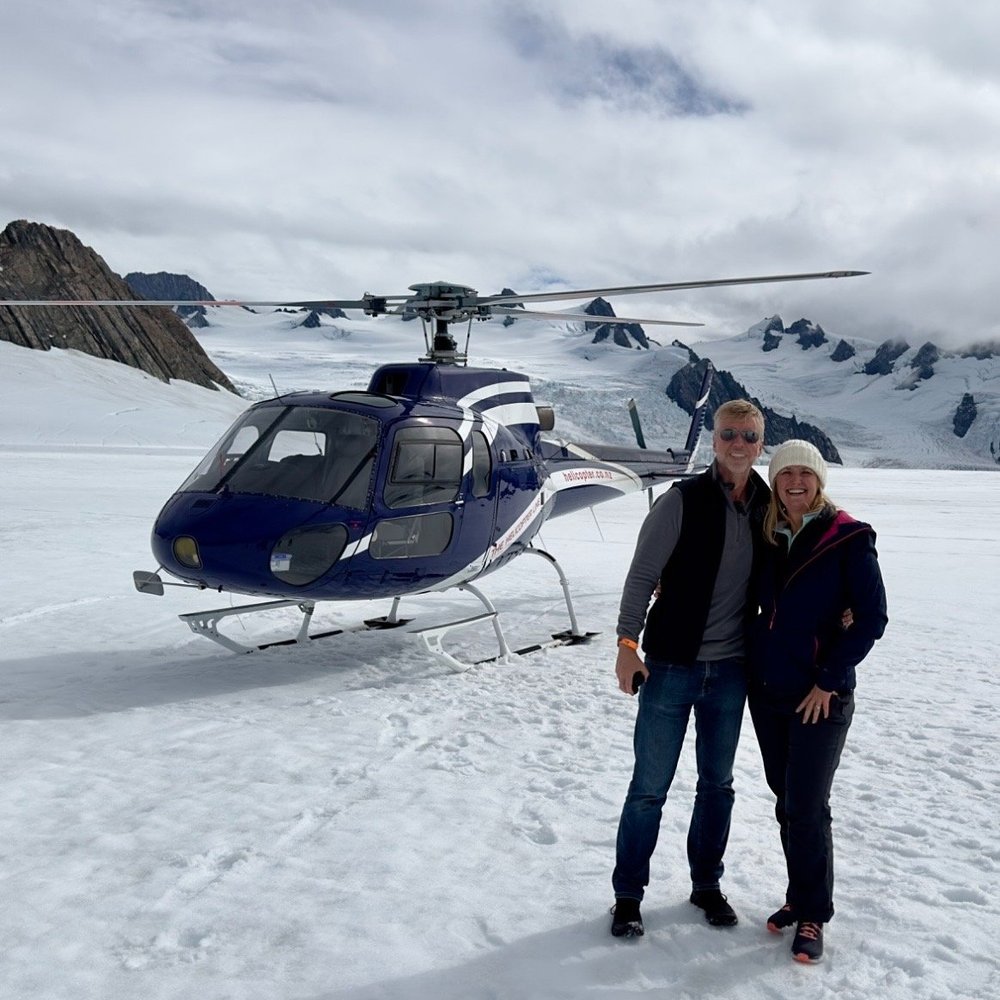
(657,538)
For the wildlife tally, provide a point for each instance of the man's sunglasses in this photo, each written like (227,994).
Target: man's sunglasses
(729,434)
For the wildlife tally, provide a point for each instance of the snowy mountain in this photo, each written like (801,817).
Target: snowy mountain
(860,403)
(886,404)
(900,413)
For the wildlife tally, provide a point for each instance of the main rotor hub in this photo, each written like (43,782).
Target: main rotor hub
(443,301)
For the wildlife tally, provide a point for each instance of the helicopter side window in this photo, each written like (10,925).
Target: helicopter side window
(426,467)
(482,465)
(408,537)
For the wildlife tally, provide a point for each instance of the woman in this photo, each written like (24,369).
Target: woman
(804,648)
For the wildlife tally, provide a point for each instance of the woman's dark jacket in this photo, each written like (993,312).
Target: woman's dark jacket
(797,640)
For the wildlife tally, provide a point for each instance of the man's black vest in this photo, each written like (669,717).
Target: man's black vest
(675,626)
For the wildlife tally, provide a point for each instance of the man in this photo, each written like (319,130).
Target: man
(697,547)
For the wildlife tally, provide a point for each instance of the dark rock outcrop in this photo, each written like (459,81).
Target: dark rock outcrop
(314,319)
(508,320)
(924,360)
(885,357)
(965,415)
(770,330)
(843,352)
(164,285)
(983,350)
(683,390)
(40,262)
(619,332)
(808,334)
(692,356)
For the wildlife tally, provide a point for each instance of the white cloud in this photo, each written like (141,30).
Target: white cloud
(314,149)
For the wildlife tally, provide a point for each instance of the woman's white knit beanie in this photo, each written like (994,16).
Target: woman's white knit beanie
(797,452)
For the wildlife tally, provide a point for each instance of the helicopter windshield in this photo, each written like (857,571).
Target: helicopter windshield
(309,453)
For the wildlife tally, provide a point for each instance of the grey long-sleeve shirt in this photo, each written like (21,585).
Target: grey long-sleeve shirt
(723,636)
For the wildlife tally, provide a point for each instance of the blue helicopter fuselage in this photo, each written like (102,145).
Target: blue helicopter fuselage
(432,477)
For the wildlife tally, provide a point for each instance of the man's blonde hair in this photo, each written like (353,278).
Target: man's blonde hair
(740,409)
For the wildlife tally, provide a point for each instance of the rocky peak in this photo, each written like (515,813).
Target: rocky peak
(924,360)
(619,332)
(843,352)
(809,334)
(983,350)
(40,262)
(965,415)
(686,383)
(772,341)
(314,318)
(885,357)
(508,320)
(768,325)
(164,285)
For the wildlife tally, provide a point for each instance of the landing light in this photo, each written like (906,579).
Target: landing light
(186,552)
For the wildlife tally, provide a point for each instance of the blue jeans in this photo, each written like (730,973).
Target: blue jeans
(717,692)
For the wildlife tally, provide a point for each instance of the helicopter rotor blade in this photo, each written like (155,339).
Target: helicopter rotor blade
(670,286)
(584,317)
(319,304)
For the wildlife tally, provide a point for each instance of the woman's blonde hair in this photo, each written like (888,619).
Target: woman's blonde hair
(776,513)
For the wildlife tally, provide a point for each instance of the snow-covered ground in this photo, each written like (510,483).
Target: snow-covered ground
(352,820)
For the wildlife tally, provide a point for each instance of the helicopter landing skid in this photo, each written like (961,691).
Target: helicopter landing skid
(206,623)
(433,636)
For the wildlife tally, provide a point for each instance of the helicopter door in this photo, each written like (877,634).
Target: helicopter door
(443,511)
(481,499)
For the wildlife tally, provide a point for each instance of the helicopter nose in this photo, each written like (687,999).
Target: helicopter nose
(249,544)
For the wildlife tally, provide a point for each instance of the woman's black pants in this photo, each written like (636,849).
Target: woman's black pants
(800,760)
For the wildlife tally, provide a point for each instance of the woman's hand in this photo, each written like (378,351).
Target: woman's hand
(815,704)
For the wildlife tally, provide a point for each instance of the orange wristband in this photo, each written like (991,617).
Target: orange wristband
(631,643)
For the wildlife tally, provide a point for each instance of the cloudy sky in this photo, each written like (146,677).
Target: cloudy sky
(323,148)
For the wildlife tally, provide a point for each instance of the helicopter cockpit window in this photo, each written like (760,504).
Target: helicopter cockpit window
(426,467)
(229,451)
(300,452)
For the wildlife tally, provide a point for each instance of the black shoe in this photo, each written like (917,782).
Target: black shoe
(808,944)
(626,921)
(781,919)
(718,912)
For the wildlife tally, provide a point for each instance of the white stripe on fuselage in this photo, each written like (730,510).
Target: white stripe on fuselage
(509,414)
(496,389)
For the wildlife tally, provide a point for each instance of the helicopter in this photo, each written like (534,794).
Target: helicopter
(436,475)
